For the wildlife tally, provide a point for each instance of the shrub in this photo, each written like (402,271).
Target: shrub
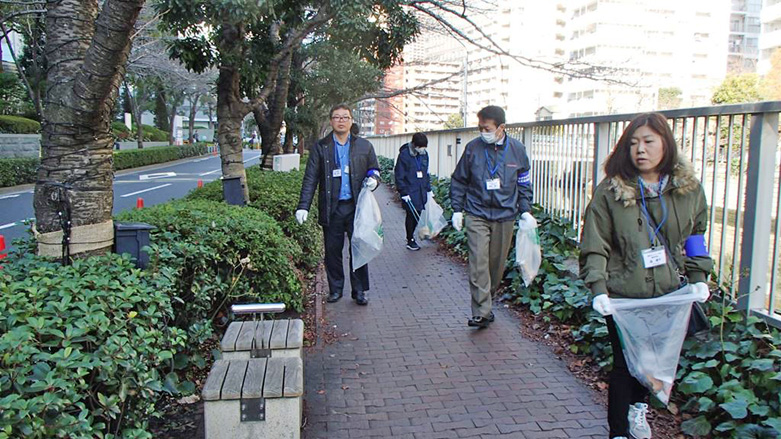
(386,171)
(120,131)
(19,125)
(220,254)
(153,134)
(15,171)
(133,158)
(85,347)
(276,193)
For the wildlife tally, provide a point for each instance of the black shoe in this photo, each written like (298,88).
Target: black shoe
(360,298)
(412,245)
(333,297)
(478,322)
(491,317)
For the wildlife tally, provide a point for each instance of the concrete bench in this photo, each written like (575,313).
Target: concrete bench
(263,338)
(254,398)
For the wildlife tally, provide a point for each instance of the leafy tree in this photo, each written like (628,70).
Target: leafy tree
(771,83)
(738,89)
(250,42)
(455,120)
(13,95)
(669,98)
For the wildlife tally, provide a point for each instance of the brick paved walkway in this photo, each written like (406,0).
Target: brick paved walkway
(407,366)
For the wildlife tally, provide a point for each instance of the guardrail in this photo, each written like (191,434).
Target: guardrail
(734,149)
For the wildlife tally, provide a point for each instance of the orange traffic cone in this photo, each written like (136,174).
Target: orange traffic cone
(140,203)
(200,183)
(3,254)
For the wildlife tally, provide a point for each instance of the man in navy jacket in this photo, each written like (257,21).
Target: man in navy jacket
(413,183)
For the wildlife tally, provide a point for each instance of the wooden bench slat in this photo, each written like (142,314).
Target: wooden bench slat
(234,379)
(279,334)
(253,382)
(275,373)
(228,343)
(263,334)
(294,377)
(213,387)
(295,334)
(246,336)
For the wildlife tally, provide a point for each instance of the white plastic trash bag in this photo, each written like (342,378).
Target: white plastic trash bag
(652,333)
(528,255)
(432,220)
(366,243)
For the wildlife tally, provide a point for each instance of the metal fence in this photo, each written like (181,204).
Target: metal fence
(734,149)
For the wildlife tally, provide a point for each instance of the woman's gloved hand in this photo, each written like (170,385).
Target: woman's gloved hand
(406,199)
(601,304)
(700,289)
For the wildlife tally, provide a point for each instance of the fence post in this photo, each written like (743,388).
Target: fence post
(755,250)
(601,151)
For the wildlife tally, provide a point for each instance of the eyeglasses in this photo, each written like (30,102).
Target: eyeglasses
(340,118)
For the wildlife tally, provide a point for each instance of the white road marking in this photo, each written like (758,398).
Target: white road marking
(145,190)
(9,196)
(158,175)
(5,226)
(210,172)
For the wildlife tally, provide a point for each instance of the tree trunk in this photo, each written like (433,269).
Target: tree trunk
(230,108)
(87,60)
(193,110)
(271,124)
(134,110)
(171,124)
(161,108)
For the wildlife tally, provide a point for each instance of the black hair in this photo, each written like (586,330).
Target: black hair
(420,140)
(619,163)
(492,112)
(340,107)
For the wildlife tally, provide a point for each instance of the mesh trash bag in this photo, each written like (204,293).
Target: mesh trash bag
(652,333)
(366,243)
(432,220)
(528,255)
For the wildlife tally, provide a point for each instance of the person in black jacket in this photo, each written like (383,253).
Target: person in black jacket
(413,183)
(339,166)
(492,185)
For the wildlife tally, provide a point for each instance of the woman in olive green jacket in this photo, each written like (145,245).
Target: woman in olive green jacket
(643,237)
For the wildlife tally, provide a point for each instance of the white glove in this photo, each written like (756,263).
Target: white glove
(430,195)
(301,215)
(527,221)
(458,220)
(370,183)
(700,289)
(601,304)
(406,198)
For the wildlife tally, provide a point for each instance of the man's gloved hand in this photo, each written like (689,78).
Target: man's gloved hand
(370,183)
(458,220)
(301,215)
(700,289)
(601,304)
(430,195)
(406,199)
(527,221)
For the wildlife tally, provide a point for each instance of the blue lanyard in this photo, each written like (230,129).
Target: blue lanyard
(493,169)
(417,161)
(338,156)
(651,232)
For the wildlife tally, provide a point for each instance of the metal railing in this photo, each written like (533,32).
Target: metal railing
(733,148)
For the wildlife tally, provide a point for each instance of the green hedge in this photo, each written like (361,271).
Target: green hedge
(15,171)
(134,158)
(221,254)
(276,193)
(86,347)
(19,125)
(151,133)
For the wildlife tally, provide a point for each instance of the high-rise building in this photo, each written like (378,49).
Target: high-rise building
(770,37)
(647,46)
(744,30)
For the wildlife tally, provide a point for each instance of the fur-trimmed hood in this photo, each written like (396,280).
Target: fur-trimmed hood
(683,181)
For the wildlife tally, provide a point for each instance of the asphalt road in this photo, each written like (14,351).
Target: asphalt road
(155,184)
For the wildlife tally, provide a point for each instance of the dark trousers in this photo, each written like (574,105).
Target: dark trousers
(342,222)
(624,390)
(410,222)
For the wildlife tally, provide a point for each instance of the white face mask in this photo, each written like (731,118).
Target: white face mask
(489,137)
(420,150)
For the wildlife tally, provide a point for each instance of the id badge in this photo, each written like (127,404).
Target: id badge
(337,173)
(654,257)
(420,174)
(347,169)
(493,184)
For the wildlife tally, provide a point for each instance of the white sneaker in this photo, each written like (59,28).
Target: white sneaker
(638,425)
(620,437)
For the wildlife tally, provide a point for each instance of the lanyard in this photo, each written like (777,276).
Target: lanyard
(417,161)
(338,156)
(651,232)
(492,169)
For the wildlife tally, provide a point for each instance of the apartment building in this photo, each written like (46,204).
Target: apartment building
(645,46)
(770,37)
(744,33)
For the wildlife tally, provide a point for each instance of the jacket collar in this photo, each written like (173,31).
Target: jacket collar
(683,181)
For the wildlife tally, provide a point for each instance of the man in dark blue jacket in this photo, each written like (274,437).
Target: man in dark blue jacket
(413,183)
(492,186)
(339,166)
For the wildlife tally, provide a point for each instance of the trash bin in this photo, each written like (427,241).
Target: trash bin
(233,191)
(132,238)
